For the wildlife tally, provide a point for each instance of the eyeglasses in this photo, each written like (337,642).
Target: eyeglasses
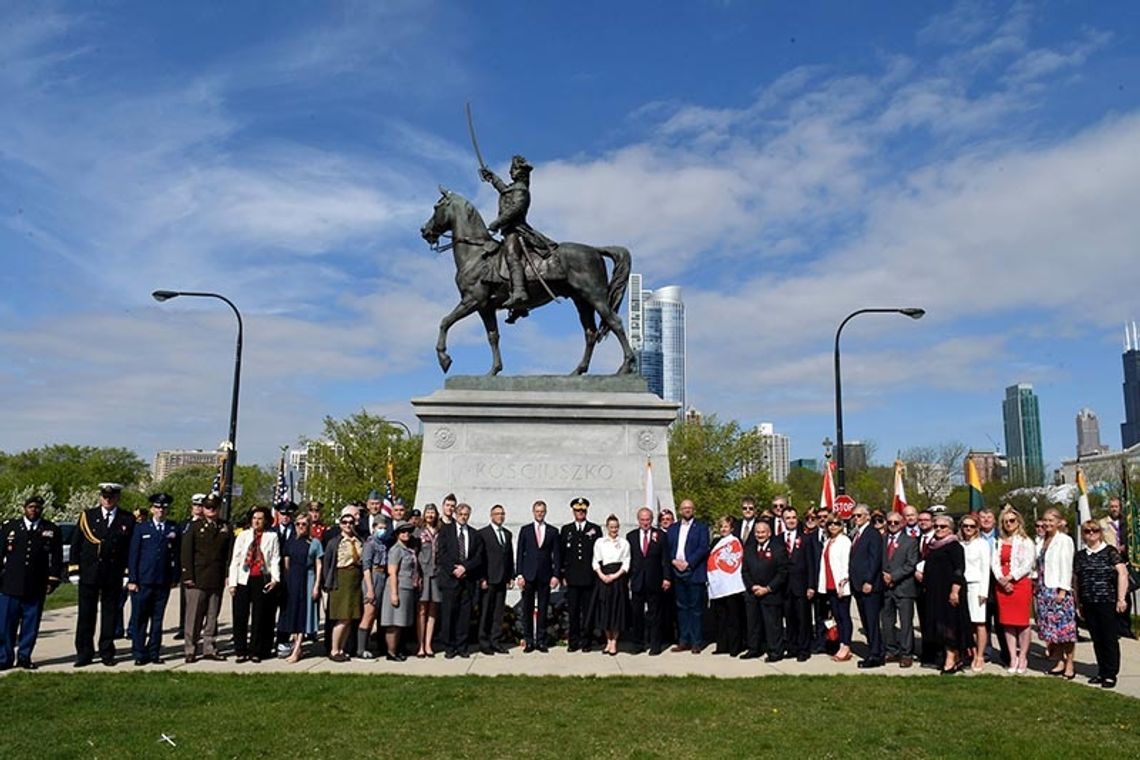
(748,509)
(969,526)
(894,522)
(347,521)
(835,524)
(1088,531)
(943,527)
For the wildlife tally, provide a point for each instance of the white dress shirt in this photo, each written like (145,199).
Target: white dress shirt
(608,550)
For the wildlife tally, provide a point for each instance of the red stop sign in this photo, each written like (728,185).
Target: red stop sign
(844,506)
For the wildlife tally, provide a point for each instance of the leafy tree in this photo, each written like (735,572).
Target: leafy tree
(351,459)
(256,482)
(67,469)
(803,487)
(931,469)
(873,486)
(707,458)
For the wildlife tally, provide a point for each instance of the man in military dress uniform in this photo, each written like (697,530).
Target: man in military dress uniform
(578,576)
(514,202)
(152,568)
(31,565)
(183,528)
(205,553)
(100,547)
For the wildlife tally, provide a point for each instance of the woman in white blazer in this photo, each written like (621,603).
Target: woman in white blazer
(1012,564)
(834,582)
(1056,610)
(255,571)
(977,553)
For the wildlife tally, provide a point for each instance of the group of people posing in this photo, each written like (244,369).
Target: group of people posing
(778,584)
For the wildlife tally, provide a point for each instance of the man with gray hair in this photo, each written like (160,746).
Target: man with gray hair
(649,572)
(866,574)
(900,558)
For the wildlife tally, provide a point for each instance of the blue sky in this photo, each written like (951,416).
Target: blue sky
(785,165)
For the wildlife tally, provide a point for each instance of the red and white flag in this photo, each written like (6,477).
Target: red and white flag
(650,499)
(827,494)
(898,504)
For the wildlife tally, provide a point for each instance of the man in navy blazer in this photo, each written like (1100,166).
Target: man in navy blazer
(650,571)
(538,563)
(152,568)
(688,551)
(866,575)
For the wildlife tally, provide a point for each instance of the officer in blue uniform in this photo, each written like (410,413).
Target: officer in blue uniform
(31,565)
(152,567)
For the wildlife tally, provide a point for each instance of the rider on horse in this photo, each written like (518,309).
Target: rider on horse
(514,202)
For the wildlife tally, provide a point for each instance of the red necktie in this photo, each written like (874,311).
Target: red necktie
(891,547)
(789,542)
(644,543)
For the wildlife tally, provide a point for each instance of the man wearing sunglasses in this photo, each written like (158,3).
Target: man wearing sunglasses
(900,557)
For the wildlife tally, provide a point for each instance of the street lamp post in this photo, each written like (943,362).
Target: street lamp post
(840,475)
(231,455)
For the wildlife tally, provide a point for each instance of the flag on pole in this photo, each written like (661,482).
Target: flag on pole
(390,486)
(974,483)
(827,495)
(898,503)
(281,488)
(1083,510)
(650,500)
(219,476)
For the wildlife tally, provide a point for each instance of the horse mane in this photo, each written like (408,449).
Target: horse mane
(472,215)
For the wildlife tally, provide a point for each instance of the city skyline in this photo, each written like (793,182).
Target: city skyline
(797,164)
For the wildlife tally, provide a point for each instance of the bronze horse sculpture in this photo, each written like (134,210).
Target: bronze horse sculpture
(579,274)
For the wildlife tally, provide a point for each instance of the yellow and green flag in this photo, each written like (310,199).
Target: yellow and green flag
(974,483)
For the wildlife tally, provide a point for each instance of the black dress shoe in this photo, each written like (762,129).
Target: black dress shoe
(156,660)
(108,661)
(215,656)
(178,637)
(528,649)
(543,648)
(139,663)
(774,658)
(501,650)
(1108,683)
(656,651)
(255,658)
(487,650)
(587,648)
(750,655)
(394,658)
(572,648)
(803,657)
(870,662)
(1095,680)
(450,654)
(190,659)
(463,653)
(27,665)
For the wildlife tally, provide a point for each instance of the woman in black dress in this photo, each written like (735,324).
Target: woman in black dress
(944,577)
(611,594)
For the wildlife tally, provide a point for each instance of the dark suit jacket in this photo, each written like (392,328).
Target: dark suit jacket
(766,569)
(799,562)
(500,559)
(867,560)
(30,560)
(105,561)
(646,572)
(154,556)
(447,545)
(739,532)
(578,553)
(901,566)
(696,550)
(538,563)
(814,556)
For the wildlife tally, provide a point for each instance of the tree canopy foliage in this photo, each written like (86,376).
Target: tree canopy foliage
(60,472)
(707,459)
(351,457)
(255,481)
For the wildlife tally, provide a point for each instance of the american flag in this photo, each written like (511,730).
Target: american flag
(390,486)
(281,490)
(216,488)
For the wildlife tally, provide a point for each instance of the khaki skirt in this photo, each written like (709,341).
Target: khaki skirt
(346,601)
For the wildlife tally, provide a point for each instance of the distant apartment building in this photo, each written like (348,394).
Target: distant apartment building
(656,326)
(166,462)
(854,456)
(991,465)
(806,464)
(771,455)
(1088,434)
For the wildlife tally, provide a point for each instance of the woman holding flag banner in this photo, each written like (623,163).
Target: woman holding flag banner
(726,589)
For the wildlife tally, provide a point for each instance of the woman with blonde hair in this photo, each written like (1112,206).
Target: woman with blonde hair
(1056,611)
(834,581)
(1101,588)
(1012,562)
(976,553)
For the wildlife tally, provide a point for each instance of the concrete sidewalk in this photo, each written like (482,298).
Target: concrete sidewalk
(55,652)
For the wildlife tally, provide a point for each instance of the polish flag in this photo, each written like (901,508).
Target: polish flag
(827,494)
(898,504)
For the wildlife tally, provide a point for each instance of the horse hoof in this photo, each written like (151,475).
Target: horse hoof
(445,363)
(579,371)
(494,371)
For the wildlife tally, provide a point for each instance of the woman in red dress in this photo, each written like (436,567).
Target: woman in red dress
(1012,562)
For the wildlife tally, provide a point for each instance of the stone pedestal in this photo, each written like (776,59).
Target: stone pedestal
(513,440)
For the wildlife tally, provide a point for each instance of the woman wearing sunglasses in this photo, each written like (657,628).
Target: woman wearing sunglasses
(833,581)
(1012,562)
(944,576)
(1102,583)
(1056,612)
(977,555)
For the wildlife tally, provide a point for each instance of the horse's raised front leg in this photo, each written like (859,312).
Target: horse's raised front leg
(491,325)
(589,331)
(461,310)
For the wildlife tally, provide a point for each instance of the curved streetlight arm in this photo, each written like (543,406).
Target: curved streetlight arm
(840,470)
(407,429)
(231,455)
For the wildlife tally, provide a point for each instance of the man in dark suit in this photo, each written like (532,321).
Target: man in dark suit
(900,558)
(797,606)
(649,572)
(578,576)
(814,539)
(688,551)
(102,540)
(31,567)
(745,524)
(152,568)
(866,574)
(460,562)
(765,574)
(498,576)
(538,564)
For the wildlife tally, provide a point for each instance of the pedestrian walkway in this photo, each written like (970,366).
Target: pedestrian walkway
(55,652)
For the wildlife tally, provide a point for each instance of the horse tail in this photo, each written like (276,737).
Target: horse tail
(619,281)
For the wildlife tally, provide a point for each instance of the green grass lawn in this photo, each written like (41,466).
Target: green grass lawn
(64,596)
(310,715)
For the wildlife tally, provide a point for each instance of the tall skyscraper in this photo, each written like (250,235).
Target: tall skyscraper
(1130,428)
(657,333)
(1023,435)
(1088,433)
(774,450)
